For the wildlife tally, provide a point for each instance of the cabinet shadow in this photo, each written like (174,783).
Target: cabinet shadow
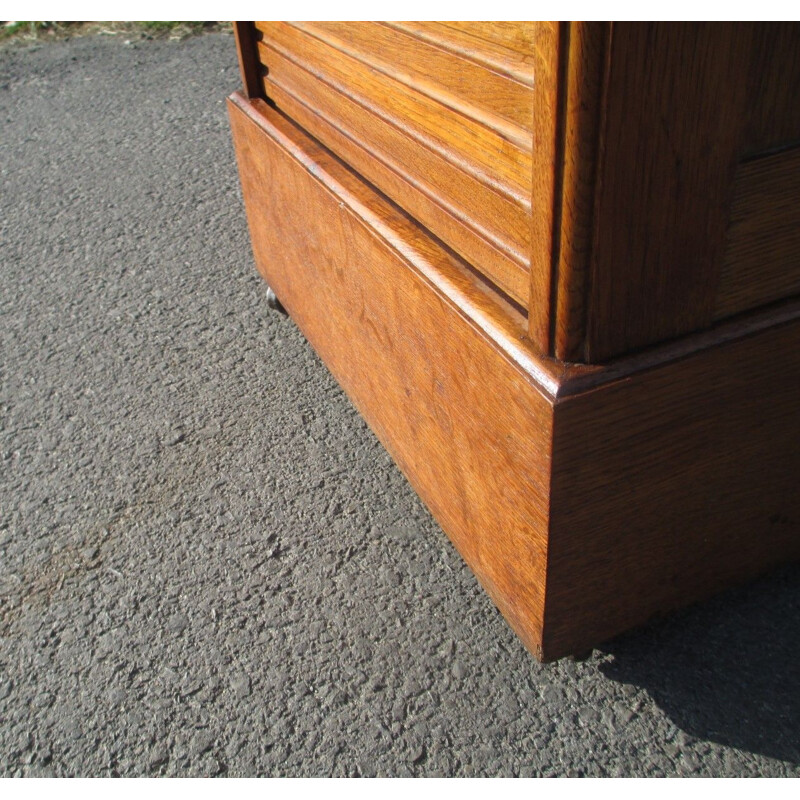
(727,670)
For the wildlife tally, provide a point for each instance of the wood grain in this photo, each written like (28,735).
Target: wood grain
(497,101)
(772,86)
(598,176)
(350,269)
(545,179)
(587,498)
(667,165)
(686,103)
(490,228)
(476,148)
(497,53)
(249,66)
(672,485)
(762,253)
(375,131)
(519,37)
(417,199)
(583,512)
(583,127)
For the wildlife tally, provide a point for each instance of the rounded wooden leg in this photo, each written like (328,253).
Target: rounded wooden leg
(273,302)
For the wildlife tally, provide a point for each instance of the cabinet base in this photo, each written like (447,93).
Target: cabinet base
(587,500)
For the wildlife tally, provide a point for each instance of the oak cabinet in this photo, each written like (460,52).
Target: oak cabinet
(555,266)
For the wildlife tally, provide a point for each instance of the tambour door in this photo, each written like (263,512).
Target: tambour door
(438,116)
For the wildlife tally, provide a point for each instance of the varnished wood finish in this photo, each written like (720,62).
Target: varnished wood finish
(547,156)
(586,499)
(601,176)
(762,253)
(685,104)
(506,49)
(662,205)
(497,100)
(671,485)
(586,49)
(249,67)
(462,175)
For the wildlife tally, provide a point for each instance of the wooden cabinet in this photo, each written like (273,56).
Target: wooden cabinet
(555,267)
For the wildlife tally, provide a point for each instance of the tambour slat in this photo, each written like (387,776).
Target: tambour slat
(469,183)
(520,37)
(475,90)
(394,147)
(506,273)
(516,63)
(473,147)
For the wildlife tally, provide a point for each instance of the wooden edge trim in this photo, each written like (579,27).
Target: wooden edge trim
(249,66)
(578,378)
(502,325)
(582,100)
(480,309)
(546,160)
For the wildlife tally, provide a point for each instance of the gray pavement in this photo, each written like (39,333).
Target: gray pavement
(208,564)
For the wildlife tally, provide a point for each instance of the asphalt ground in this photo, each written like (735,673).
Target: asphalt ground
(208,564)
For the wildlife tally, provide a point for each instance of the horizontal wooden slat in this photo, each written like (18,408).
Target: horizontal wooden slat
(493,52)
(484,222)
(474,90)
(517,36)
(762,253)
(503,271)
(505,217)
(472,147)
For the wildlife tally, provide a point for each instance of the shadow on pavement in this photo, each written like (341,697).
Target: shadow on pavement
(728,670)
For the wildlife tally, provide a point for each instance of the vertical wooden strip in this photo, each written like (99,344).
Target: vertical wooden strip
(586,78)
(545,170)
(249,66)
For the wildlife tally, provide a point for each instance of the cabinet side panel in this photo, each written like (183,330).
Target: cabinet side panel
(469,428)
(675,100)
(686,104)
(671,485)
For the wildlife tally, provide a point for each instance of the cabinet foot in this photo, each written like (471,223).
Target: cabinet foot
(274,303)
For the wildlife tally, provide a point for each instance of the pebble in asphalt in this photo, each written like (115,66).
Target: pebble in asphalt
(208,564)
